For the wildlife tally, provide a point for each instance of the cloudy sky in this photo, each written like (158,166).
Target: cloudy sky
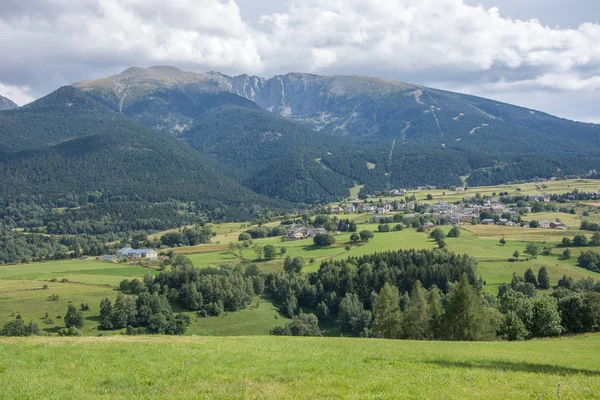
(542,54)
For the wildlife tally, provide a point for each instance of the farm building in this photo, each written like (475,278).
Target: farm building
(128,252)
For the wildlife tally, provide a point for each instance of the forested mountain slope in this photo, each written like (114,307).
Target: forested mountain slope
(66,149)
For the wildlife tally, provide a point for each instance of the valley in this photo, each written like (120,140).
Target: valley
(188,212)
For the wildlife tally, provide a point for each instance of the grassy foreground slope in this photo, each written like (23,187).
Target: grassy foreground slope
(279,367)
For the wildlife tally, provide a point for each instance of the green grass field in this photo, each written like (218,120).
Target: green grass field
(299,368)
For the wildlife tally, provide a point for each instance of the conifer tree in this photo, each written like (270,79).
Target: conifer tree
(388,317)
(416,319)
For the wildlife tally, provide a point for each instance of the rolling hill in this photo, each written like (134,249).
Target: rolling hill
(412,134)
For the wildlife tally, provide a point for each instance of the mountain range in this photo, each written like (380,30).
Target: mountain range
(237,146)
(374,131)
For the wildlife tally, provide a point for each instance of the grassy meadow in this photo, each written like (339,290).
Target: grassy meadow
(299,368)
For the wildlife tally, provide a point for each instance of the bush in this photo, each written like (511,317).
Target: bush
(15,328)
(301,325)
(383,228)
(72,331)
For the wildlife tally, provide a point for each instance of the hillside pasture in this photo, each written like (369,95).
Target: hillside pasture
(299,368)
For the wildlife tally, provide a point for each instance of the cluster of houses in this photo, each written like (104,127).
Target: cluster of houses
(456,214)
(299,232)
(357,206)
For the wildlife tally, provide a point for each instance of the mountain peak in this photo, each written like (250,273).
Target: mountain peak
(7,104)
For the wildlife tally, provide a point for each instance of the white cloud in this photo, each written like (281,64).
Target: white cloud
(19,94)
(444,35)
(53,42)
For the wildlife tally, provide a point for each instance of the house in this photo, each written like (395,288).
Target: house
(381,210)
(127,252)
(488,221)
(350,209)
(557,225)
(302,232)
(544,224)
(458,188)
(428,224)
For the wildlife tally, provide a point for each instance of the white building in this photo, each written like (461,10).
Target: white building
(127,252)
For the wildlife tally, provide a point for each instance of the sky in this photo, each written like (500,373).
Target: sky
(543,55)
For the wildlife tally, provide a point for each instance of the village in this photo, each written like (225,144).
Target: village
(471,210)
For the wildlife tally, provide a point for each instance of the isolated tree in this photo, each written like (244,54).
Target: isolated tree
(366,235)
(323,239)
(74,318)
(454,232)
(259,251)
(270,252)
(566,254)
(437,234)
(529,277)
(388,317)
(416,318)
(532,250)
(543,278)
(502,241)
(516,255)
(355,237)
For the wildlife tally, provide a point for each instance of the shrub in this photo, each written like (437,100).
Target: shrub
(72,331)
